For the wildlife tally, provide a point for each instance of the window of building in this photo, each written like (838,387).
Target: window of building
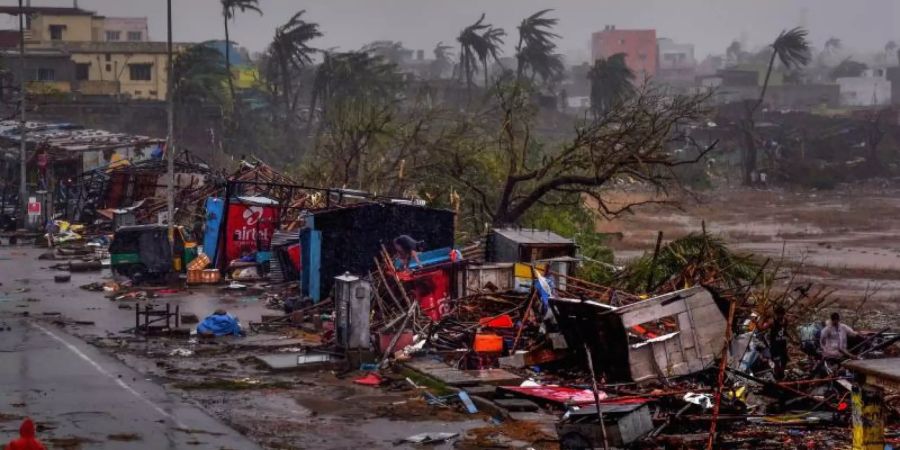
(45,74)
(621,41)
(141,72)
(107,57)
(109,67)
(135,35)
(82,71)
(113,35)
(56,32)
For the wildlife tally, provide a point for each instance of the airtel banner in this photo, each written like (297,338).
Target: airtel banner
(249,228)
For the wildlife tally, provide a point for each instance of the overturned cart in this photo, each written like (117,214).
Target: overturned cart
(675,334)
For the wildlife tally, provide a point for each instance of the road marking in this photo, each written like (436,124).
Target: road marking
(118,380)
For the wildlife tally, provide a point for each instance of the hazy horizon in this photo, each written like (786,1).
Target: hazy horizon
(420,24)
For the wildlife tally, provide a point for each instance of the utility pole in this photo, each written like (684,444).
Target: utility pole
(170,144)
(23,192)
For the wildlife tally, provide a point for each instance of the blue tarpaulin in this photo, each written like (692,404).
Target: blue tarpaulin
(220,325)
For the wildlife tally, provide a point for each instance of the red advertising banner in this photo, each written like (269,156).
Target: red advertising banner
(250,228)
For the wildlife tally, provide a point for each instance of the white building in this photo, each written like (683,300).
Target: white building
(872,88)
(130,29)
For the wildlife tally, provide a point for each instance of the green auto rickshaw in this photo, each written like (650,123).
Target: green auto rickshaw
(144,252)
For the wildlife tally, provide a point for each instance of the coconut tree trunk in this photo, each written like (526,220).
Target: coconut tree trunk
(228,58)
(750,126)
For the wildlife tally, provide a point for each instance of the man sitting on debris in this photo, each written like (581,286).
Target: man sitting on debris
(834,340)
(406,248)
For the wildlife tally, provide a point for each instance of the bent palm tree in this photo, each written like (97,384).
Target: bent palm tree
(477,43)
(290,49)
(229,8)
(792,49)
(611,82)
(536,49)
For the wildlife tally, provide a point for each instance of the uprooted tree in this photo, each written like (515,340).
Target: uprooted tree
(512,169)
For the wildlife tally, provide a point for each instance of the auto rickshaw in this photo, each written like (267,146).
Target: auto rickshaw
(143,252)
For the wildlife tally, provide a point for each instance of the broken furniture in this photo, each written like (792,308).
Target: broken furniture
(671,335)
(155,320)
(624,423)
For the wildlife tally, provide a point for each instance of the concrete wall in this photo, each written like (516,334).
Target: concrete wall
(864,91)
(115,67)
(77,28)
(124,25)
(803,96)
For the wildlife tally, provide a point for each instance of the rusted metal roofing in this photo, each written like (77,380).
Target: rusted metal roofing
(69,137)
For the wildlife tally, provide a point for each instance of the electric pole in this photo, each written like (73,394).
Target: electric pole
(23,171)
(170,143)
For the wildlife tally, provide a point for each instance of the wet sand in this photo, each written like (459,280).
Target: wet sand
(848,239)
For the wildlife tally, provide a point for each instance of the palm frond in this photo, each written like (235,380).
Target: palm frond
(792,47)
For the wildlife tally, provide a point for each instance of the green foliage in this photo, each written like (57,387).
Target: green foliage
(699,253)
(200,76)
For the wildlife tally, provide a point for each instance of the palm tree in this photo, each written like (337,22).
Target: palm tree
(199,75)
(491,41)
(477,43)
(611,82)
(229,8)
(442,60)
(890,48)
(792,49)
(833,44)
(734,51)
(536,49)
(353,75)
(290,50)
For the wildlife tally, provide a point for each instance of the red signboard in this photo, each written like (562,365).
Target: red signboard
(250,229)
(432,290)
(34,207)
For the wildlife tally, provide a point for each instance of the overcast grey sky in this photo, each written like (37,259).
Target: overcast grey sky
(347,24)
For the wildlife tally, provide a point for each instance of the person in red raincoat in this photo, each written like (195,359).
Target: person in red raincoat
(26,440)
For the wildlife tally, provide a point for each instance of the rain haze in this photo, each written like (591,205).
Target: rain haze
(449,224)
(349,24)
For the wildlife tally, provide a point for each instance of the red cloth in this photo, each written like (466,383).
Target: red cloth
(26,440)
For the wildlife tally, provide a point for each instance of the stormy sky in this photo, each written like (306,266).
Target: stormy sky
(862,25)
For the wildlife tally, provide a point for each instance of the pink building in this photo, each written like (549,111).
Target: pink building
(639,46)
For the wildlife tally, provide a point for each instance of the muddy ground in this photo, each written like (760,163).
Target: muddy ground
(848,239)
(319,408)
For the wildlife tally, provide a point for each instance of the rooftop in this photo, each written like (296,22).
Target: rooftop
(46,10)
(67,137)
(532,236)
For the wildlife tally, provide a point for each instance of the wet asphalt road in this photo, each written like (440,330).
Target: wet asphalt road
(81,394)
(74,392)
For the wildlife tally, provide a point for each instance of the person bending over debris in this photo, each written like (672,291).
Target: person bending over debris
(834,339)
(26,440)
(406,249)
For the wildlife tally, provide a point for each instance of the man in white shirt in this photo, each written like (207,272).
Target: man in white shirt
(834,339)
